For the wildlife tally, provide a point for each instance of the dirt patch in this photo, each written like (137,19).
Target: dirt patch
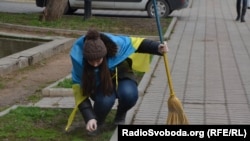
(21,84)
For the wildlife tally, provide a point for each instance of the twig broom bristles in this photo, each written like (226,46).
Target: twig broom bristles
(176,114)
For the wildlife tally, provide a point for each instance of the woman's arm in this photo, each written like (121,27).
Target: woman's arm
(86,110)
(149,46)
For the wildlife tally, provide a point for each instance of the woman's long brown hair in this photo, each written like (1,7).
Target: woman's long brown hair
(105,80)
(90,82)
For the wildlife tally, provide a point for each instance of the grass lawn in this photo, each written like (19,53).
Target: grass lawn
(119,25)
(48,124)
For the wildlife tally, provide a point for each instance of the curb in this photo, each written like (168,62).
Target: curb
(51,91)
(19,60)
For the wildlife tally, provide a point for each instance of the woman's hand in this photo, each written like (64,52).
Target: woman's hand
(91,125)
(163,48)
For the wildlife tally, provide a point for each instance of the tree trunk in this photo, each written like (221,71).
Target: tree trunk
(54,10)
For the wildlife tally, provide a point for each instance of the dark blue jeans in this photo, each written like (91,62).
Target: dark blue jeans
(127,95)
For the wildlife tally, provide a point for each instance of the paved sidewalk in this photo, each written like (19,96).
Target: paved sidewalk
(210,64)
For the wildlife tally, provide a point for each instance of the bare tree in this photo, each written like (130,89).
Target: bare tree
(54,10)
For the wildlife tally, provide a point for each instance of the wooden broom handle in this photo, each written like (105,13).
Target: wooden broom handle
(165,54)
(168,74)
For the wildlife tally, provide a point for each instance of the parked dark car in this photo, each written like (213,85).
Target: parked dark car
(165,7)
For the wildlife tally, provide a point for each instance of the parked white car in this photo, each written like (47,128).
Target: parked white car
(166,7)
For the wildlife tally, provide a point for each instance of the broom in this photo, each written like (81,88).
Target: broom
(176,114)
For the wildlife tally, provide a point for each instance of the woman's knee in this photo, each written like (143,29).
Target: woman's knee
(104,101)
(127,91)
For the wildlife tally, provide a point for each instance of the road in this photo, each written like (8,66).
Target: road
(21,6)
(29,6)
